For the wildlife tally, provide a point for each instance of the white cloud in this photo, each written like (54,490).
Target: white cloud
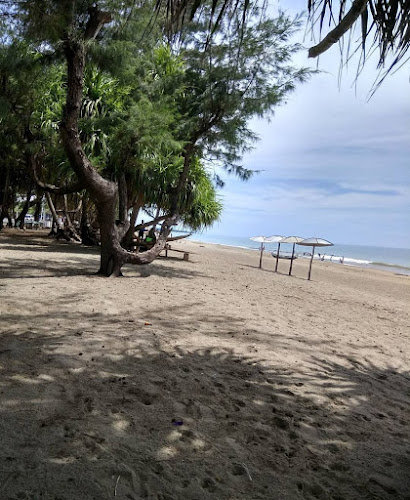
(334,164)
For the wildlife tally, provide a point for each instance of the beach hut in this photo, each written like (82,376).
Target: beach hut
(314,242)
(265,239)
(289,239)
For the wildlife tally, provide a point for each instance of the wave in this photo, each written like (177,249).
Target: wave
(349,260)
(337,259)
(384,264)
(223,244)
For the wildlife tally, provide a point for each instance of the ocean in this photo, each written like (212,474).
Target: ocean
(395,260)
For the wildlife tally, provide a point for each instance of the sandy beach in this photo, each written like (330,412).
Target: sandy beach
(206,379)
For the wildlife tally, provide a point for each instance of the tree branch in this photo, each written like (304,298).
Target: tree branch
(96,22)
(100,189)
(50,188)
(358,6)
(150,255)
(52,208)
(152,222)
(175,199)
(129,235)
(68,189)
(122,198)
(69,222)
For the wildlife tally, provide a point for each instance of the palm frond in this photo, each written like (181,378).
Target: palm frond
(385,25)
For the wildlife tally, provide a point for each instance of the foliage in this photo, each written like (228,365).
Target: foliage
(231,79)
(157,104)
(201,205)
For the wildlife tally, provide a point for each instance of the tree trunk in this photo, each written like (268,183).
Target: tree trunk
(129,235)
(111,261)
(5,201)
(13,208)
(24,210)
(71,229)
(103,192)
(87,236)
(37,212)
(54,225)
(175,201)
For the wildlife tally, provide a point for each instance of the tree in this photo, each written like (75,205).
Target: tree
(19,99)
(75,27)
(242,71)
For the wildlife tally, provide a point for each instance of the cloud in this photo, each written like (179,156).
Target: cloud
(334,164)
(337,211)
(275,198)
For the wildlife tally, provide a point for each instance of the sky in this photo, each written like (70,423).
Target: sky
(333,163)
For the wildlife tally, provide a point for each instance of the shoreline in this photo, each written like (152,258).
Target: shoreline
(390,268)
(376,267)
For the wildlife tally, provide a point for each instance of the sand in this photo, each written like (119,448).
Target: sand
(207,379)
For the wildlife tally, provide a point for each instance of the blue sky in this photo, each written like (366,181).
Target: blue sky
(334,165)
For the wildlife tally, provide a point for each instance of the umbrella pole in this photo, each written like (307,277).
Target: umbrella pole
(277,259)
(311,260)
(260,260)
(291,260)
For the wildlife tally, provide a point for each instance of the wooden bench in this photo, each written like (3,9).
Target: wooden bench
(167,248)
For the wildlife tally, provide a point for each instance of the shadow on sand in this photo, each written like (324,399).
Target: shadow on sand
(73,260)
(90,407)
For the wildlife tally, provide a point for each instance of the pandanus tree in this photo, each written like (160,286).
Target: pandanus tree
(199,206)
(79,30)
(384,26)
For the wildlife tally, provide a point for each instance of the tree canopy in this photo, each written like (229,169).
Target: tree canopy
(128,106)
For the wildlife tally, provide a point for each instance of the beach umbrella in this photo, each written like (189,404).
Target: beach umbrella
(294,240)
(262,240)
(314,242)
(278,240)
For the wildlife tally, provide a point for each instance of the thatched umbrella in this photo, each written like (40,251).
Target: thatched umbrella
(262,240)
(294,240)
(314,242)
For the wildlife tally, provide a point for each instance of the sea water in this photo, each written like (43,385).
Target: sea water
(392,259)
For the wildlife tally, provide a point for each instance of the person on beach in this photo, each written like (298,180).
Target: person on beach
(151,237)
(141,232)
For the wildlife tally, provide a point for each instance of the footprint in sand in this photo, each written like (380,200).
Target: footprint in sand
(238,470)
(147,395)
(186,435)
(208,484)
